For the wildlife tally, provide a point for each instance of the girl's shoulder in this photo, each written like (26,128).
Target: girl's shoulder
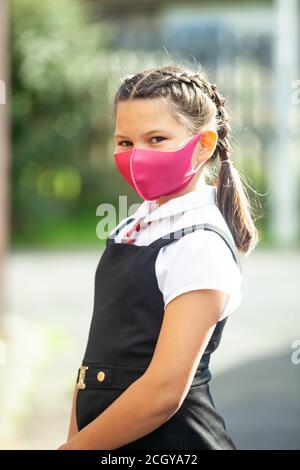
(199,260)
(214,246)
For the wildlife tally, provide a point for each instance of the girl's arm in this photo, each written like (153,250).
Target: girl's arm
(73,429)
(189,320)
(143,407)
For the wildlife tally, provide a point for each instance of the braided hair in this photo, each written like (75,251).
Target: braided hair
(197,103)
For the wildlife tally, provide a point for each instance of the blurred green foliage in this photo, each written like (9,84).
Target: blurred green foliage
(61,121)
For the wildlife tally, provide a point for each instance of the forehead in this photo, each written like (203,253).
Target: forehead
(141,114)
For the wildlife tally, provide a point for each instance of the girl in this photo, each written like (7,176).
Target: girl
(169,276)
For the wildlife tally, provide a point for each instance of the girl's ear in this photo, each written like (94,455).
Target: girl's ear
(209,139)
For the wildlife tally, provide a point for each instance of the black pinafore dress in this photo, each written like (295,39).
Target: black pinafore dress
(127,316)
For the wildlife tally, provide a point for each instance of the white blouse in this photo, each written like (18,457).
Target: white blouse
(198,260)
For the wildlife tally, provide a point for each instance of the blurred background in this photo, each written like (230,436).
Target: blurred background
(60,65)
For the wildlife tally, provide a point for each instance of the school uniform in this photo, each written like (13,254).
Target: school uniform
(150,258)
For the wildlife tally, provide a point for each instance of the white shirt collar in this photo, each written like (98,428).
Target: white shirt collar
(203,195)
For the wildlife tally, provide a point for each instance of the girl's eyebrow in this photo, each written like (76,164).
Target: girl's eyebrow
(146,133)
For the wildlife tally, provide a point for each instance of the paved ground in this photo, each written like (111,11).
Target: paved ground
(256,384)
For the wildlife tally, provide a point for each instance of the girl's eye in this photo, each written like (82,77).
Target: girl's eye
(120,143)
(156,137)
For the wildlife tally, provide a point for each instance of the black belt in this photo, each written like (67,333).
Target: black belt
(121,377)
(98,376)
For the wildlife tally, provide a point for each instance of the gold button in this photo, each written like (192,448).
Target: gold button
(101,376)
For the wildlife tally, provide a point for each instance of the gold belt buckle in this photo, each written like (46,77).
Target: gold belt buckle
(81,378)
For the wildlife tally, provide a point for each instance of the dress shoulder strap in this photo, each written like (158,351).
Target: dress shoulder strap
(170,237)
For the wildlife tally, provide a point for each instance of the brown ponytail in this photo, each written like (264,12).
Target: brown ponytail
(197,103)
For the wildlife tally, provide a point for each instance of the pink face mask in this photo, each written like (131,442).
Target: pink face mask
(155,173)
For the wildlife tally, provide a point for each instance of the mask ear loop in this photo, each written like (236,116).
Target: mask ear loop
(200,163)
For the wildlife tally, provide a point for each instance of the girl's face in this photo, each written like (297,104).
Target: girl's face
(145,123)
(149,124)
